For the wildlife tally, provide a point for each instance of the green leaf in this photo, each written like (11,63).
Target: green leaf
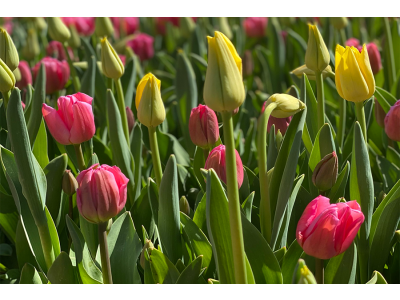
(192,272)
(341,269)
(55,241)
(89,79)
(8,216)
(308,97)
(162,268)
(40,146)
(290,261)
(199,163)
(387,95)
(377,278)
(128,81)
(272,149)
(136,150)
(247,205)
(338,190)
(62,271)
(29,275)
(323,145)
(90,234)
(142,212)
(382,100)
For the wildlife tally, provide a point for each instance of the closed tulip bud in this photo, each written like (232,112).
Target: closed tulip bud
(326,230)
(149,105)
(111,63)
(102,193)
(131,119)
(8,52)
(187,26)
(281,124)
(147,246)
(392,122)
(184,205)
(216,160)
(32,47)
(286,105)
(352,42)
(7,78)
(311,74)
(26,75)
(397,235)
(248,65)
(317,55)
(326,172)
(302,275)
(104,27)
(142,46)
(279,139)
(379,114)
(374,57)
(58,31)
(339,22)
(224,27)
(203,127)
(57,73)
(55,49)
(74,41)
(73,122)
(223,87)
(354,79)
(255,26)
(40,24)
(69,183)
(17,75)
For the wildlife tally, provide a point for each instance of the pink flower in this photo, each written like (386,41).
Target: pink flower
(216,160)
(128,24)
(280,123)
(26,75)
(161,23)
(353,42)
(142,45)
(102,193)
(130,117)
(374,57)
(84,25)
(392,122)
(326,230)
(255,27)
(203,126)
(55,49)
(57,73)
(73,122)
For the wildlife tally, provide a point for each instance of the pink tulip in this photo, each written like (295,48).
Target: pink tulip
(131,118)
(73,122)
(216,160)
(142,45)
(392,122)
(26,75)
(161,23)
(255,27)
(128,24)
(352,42)
(57,73)
(280,123)
(203,126)
(55,49)
(102,193)
(326,230)
(84,25)
(374,57)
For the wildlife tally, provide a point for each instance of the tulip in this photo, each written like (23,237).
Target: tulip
(352,42)
(147,246)
(286,105)
(128,25)
(104,27)
(142,46)
(184,205)
(162,21)
(149,105)
(392,122)
(223,87)
(57,73)
(17,75)
(58,30)
(326,172)
(354,78)
(84,25)
(255,27)
(40,24)
(216,160)
(317,55)
(374,57)
(8,52)
(187,26)
(69,183)
(26,75)
(302,275)
(7,78)
(111,63)
(102,193)
(75,40)
(203,127)
(281,124)
(311,74)
(32,47)
(326,230)
(130,118)
(339,22)
(55,49)
(73,122)
(379,114)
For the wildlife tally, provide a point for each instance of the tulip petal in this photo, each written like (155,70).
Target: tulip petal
(83,127)
(366,70)
(83,98)
(107,194)
(86,197)
(65,110)
(121,181)
(56,125)
(338,65)
(232,50)
(142,84)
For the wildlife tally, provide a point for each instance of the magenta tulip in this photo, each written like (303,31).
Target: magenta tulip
(102,193)
(73,122)
(55,49)
(128,24)
(352,42)
(374,57)
(203,126)
(255,27)
(326,230)
(281,124)
(392,122)
(216,160)
(131,118)
(26,75)
(84,25)
(142,45)
(57,73)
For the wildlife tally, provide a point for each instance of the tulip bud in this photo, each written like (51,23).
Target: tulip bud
(142,46)
(279,139)
(31,48)
(255,26)
(131,118)
(25,75)
(302,275)
(392,121)
(111,63)
(339,22)
(147,246)
(203,127)
(40,24)
(75,40)
(224,27)
(7,78)
(69,183)
(379,114)
(397,235)
(8,52)
(317,55)
(374,57)
(184,205)
(58,31)
(248,65)
(187,26)
(149,105)
(325,173)
(104,27)
(286,105)
(223,63)
(311,74)
(57,73)
(17,75)
(352,42)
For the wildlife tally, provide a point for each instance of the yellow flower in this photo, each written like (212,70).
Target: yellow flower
(8,52)
(223,87)
(7,78)
(354,78)
(149,105)
(311,74)
(57,30)
(317,55)
(110,62)
(286,105)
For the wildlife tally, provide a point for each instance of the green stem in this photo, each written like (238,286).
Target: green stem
(71,207)
(155,154)
(319,270)
(361,118)
(79,156)
(75,78)
(234,203)
(363,254)
(105,258)
(343,36)
(320,98)
(342,122)
(391,65)
(122,109)
(206,152)
(6,98)
(265,208)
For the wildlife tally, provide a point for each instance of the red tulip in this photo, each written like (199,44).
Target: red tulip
(142,45)
(102,193)
(84,25)
(57,73)
(162,21)
(55,49)
(216,160)
(129,25)
(353,42)
(255,27)
(326,230)
(392,122)
(131,118)
(73,122)
(280,123)
(26,75)
(374,57)
(203,126)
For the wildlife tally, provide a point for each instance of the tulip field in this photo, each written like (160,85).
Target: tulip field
(199,150)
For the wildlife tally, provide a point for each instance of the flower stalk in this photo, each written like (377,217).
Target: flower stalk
(155,154)
(105,258)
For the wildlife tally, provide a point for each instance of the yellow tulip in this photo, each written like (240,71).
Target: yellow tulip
(149,105)
(110,62)
(339,22)
(354,78)
(7,78)
(58,30)
(317,55)
(223,87)
(286,105)
(8,52)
